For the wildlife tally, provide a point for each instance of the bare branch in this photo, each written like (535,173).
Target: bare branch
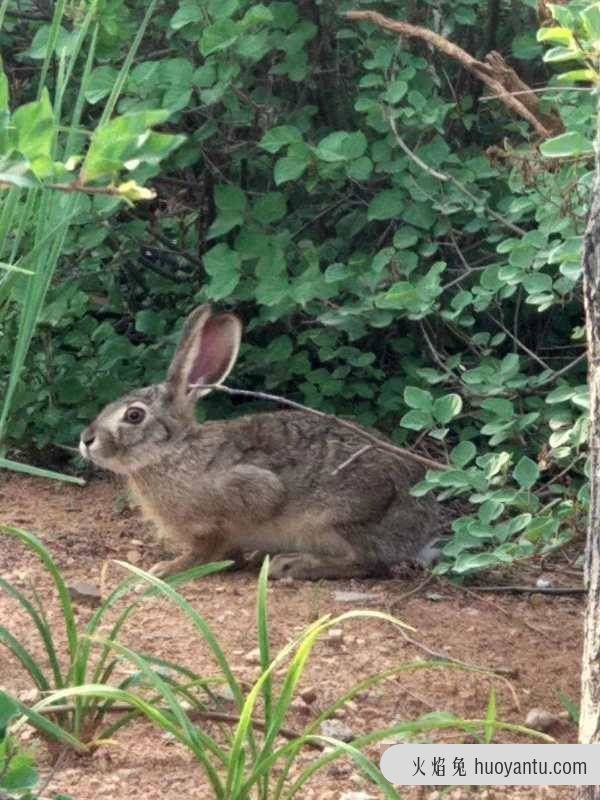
(194,714)
(544,125)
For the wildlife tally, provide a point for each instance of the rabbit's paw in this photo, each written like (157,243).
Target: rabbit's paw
(165,568)
(301,566)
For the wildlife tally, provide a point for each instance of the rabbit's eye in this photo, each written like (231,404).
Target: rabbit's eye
(134,415)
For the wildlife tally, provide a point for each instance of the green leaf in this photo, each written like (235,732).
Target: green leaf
(557,35)
(526,473)
(341,146)
(150,323)
(537,282)
(490,718)
(386,205)
(561,394)
(360,169)
(223,265)
(590,17)
(9,709)
(447,407)
(276,138)
(4,92)
(463,453)
(395,91)
(121,140)
(417,420)
(560,54)
(292,166)
(474,562)
(567,145)
(405,237)
(500,407)
(418,398)
(100,84)
(578,76)
(220,36)
(258,14)
(230,199)
(185,15)
(337,272)
(34,124)
(18,775)
(271,207)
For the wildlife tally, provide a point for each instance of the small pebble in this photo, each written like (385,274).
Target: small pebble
(309,695)
(87,593)
(253,656)
(540,719)
(337,729)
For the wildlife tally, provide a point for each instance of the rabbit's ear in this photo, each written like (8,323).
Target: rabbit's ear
(207,352)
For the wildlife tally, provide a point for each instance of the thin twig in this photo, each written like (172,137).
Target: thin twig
(381,444)
(562,473)
(556,590)
(435,355)
(562,371)
(488,601)
(194,714)
(354,456)
(415,590)
(438,656)
(447,178)
(519,343)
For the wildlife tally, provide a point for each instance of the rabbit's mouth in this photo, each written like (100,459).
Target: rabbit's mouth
(114,463)
(93,449)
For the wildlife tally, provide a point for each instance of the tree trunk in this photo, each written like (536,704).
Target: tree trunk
(589,724)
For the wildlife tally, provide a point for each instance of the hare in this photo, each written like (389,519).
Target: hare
(275,482)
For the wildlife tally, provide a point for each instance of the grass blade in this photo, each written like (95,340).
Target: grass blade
(46,726)
(192,737)
(38,548)
(490,718)
(24,656)
(265,656)
(16,466)
(40,623)
(199,623)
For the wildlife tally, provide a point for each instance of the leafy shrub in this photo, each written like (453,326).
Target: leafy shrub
(444,311)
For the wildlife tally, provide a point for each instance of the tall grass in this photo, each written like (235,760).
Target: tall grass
(34,222)
(49,671)
(258,755)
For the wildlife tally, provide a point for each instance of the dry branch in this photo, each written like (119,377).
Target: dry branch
(194,715)
(495,73)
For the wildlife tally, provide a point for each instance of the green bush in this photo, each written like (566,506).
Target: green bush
(440,303)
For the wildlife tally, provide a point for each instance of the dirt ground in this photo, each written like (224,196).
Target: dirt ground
(535,640)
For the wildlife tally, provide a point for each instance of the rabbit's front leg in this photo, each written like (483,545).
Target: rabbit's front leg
(202,549)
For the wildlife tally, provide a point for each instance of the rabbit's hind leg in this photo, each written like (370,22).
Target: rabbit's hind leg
(312,567)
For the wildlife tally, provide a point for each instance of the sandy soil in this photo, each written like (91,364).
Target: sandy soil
(535,640)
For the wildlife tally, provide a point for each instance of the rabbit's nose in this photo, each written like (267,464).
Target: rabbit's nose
(87,437)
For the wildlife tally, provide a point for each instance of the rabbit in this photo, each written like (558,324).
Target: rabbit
(274,482)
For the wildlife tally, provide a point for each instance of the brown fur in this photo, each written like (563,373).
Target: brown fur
(265,482)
